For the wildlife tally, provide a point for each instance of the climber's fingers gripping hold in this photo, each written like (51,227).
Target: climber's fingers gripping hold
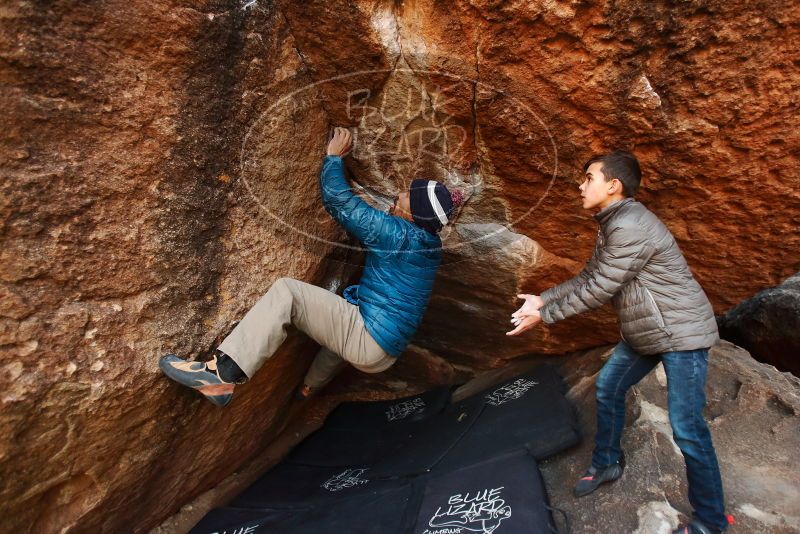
(341,143)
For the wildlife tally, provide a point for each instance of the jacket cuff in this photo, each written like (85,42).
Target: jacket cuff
(546,313)
(547,294)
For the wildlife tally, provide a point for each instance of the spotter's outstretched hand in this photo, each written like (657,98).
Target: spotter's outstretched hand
(532,304)
(527,316)
(524,323)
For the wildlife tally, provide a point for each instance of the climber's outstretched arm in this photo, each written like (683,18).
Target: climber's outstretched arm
(374,228)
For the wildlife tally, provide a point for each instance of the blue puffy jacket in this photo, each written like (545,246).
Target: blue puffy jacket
(401,264)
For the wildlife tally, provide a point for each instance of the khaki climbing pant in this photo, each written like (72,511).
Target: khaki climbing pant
(326,317)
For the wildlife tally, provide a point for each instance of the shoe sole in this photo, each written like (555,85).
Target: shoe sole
(191,375)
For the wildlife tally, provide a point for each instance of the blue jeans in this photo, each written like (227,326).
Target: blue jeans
(686,377)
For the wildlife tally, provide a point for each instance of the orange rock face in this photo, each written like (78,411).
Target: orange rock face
(161,162)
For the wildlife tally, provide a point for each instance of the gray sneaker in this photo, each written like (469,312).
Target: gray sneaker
(593,478)
(202,376)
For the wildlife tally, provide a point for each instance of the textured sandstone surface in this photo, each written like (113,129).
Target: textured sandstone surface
(159,169)
(127,232)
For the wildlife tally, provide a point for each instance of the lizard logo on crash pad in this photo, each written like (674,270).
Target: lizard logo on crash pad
(510,391)
(401,410)
(480,512)
(346,479)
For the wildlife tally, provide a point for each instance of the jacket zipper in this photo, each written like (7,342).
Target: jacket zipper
(659,317)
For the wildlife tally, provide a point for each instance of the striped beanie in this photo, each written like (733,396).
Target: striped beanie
(432,204)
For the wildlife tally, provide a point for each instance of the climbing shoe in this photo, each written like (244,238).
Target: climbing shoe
(696,527)
(592,479)
(202,376)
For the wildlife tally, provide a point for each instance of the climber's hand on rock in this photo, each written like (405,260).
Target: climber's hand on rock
(524,323)
(341,142)
(532,304)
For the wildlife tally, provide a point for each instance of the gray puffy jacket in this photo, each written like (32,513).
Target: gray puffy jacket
(638,266)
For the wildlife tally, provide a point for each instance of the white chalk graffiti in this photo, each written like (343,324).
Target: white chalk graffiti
(346,479)
(482,512)
(509,392)
(401,410)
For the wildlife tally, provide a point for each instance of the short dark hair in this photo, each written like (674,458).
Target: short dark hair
(621,165)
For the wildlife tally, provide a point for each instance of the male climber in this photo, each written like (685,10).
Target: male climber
(664,317)
(373,324)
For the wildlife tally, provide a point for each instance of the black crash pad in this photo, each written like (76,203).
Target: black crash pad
(526,412)
(358,415)
(405,448)
(387,511)
(231,520)
(467,469)
(288,486)
(505,495)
